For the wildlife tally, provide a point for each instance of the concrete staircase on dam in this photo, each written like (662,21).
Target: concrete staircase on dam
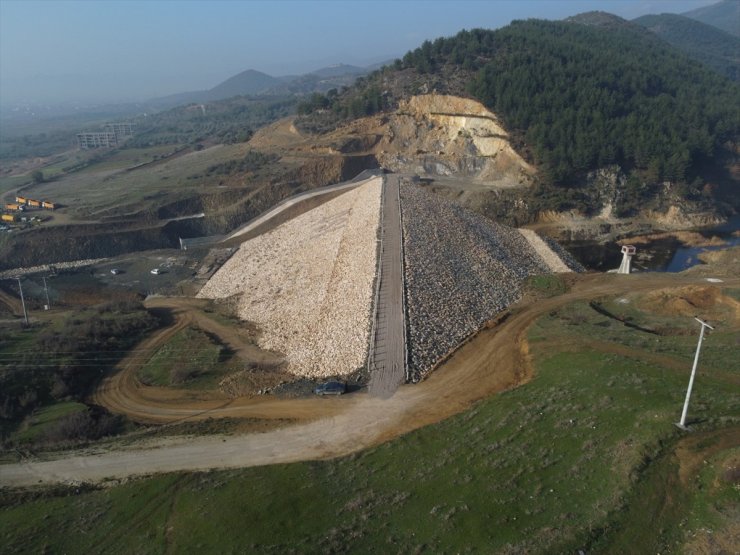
(387,354)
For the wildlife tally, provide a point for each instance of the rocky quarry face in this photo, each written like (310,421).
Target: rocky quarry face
(448,135)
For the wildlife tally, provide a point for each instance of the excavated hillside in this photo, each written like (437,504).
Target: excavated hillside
(451,136)
(432,134)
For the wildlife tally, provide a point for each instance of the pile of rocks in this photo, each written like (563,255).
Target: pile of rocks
(461,269)
(308,284)
(48,268)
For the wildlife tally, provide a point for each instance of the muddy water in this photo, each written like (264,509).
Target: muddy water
(662,255)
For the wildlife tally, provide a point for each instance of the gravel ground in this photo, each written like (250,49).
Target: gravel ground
(553,261)
(461,269)
(308,284)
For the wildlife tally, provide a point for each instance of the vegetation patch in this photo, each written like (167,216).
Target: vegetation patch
(548,285)
(61,360)
(252,161)
(192,358)
(42,420)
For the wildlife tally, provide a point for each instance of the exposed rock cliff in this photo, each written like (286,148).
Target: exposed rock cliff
(447,135)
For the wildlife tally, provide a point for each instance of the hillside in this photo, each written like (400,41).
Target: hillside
(704,43)
(575,96)
(252,83)
(249,82)
(724,15)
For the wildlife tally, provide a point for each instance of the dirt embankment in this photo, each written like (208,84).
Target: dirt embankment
(77,242)
(688,238)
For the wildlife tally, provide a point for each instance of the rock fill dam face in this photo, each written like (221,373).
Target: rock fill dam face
(309,283)
(461,270)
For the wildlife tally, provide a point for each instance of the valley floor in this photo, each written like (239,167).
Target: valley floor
(494,360)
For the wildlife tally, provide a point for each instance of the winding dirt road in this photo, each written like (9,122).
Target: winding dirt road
(494,360)
(121,392)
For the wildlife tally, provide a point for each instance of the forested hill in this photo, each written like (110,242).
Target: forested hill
(724,15)
(576,96)
(583,96)
(705,43)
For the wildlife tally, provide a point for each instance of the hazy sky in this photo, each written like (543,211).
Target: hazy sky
(117,50)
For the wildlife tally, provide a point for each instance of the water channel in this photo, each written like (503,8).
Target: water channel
(661,255)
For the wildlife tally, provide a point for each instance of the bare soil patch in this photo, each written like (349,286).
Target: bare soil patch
(691,300)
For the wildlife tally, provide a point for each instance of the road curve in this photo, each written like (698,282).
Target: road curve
(494,360)
(122,393)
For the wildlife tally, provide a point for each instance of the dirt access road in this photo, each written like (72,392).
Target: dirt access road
(494,360)
(121,392)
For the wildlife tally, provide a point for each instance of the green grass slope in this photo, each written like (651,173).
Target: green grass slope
(562,463)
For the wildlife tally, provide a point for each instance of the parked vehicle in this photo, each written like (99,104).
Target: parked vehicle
(331,388)
(157,271)
(115,271)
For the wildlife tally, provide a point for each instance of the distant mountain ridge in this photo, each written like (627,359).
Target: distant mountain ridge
(724,15)
(252,83)
(598,19)
(705,43)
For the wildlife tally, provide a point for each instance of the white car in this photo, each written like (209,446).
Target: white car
(156,271)
(115,271)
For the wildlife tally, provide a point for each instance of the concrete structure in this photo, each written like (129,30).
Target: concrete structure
(114,134)
(628,251)
(103,139)
(120,129)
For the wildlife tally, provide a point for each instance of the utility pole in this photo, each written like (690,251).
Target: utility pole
(682,423)
(46,290)
(23,302)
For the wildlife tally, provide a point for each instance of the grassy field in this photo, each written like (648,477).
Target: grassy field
(191,359)
(583,456)
(12,182)
(130,157)
(102,189)
(36,425)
